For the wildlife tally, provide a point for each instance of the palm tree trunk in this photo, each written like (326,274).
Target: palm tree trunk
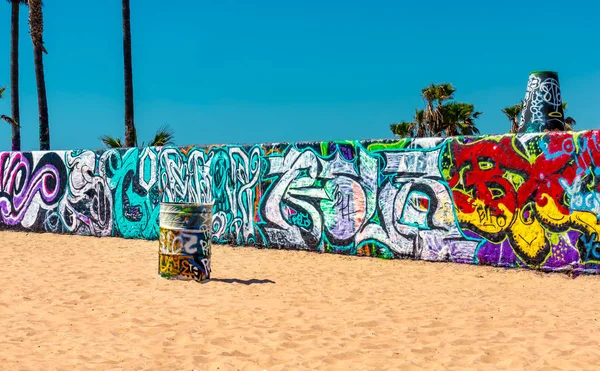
(14,76)
(514,125)
(421,131)
(129,123)
(430,118)
(36,25)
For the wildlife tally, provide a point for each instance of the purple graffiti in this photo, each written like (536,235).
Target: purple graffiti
(18,186)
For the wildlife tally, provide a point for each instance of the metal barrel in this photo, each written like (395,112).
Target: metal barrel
(542,106)
(185,241)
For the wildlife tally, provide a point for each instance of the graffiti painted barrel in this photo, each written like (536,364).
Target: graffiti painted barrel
(542,107)
(184,243)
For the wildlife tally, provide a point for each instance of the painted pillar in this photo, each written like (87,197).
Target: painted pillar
(542,108)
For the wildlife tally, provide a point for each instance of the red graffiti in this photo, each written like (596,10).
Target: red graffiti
(497,173)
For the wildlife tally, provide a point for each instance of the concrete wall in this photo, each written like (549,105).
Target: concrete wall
(530,200)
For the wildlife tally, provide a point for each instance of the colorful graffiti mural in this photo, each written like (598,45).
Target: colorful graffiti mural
(529,200)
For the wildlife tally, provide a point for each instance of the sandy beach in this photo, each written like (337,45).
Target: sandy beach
(75,303)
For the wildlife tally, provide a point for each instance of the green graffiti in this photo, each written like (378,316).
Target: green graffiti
(136,209)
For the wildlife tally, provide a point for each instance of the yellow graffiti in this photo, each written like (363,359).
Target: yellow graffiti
(179,266)
(484,219)
(526,227)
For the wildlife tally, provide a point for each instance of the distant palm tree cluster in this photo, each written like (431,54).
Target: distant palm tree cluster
(163,136)
(441,116)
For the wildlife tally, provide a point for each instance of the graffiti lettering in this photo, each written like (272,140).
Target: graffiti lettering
(531,199)
(590,247)
(86,208)
(184,266)
(522,196)
(136,205)
(28,185)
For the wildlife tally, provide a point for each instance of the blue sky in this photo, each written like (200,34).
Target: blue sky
(267,71)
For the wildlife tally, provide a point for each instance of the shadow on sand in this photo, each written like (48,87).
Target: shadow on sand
(243,282)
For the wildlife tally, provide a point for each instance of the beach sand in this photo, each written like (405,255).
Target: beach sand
(86,303)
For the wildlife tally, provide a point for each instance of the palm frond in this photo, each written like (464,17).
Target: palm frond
(513,111)
(429,92)
(2,90)
(445,91)
(9,120)
(164,136)
(403,129)
(569,123)
(458,119)
(111,142)
(419,115)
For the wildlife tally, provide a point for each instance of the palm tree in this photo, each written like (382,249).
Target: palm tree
(130,133)
(36,29)
(406,129)
(444,92)
(569,121)
(163,136)
(111,142)
(512,113)
(14,75)
(435,96)
(403,129)
(438,116)
(420,123)
(459,118)
(429,94)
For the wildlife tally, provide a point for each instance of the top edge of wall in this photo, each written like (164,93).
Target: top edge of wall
(248,144)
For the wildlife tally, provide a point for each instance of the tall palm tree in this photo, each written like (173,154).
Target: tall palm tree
(459,119)
(14,74)
(163,136)
(36,30)
(130,133)
(435,96)
(429,94)
(444,92)
(512,113)
(421,125)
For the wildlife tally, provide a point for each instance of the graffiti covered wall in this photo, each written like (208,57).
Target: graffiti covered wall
(528,200)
